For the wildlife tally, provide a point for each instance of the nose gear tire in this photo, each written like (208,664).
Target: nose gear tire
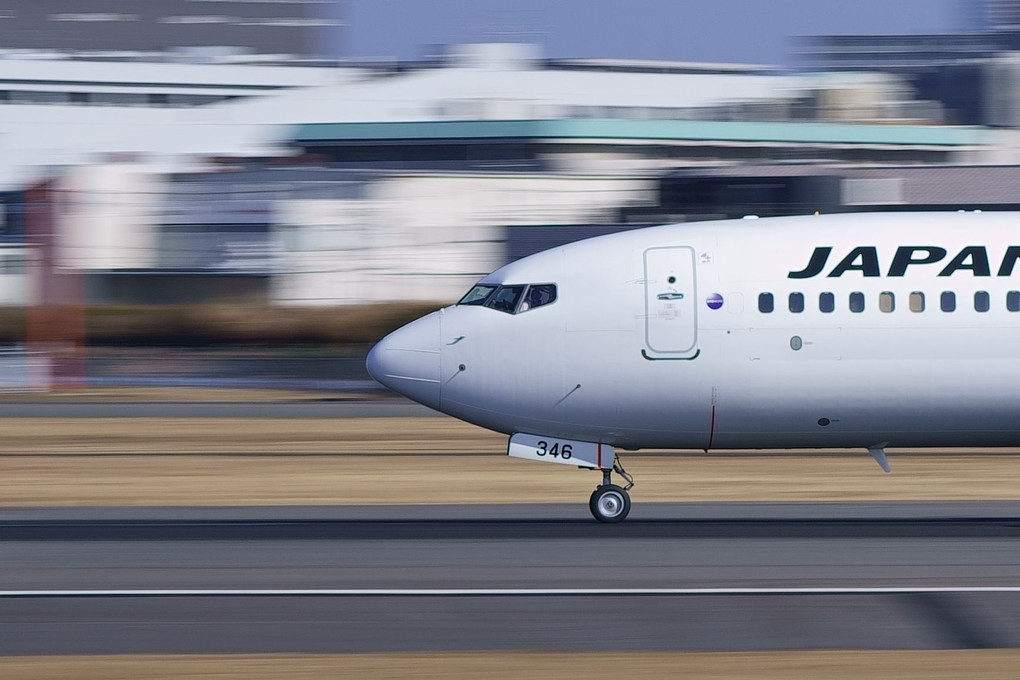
(609,503)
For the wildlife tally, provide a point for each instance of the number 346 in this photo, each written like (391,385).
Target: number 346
(554,450)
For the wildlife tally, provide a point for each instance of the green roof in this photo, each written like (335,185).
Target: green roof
(662,130)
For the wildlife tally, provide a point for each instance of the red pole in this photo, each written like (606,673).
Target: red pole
(55,318)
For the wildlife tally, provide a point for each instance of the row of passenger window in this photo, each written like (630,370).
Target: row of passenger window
(886,302)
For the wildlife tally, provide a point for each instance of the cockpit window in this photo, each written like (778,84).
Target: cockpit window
(505,299)
(538,295)
(478,295)
(511,299)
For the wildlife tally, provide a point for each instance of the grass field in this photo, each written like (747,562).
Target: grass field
(211,461)
(844,665)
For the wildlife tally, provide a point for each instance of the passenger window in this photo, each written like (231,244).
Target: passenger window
(827,302)
(948,301)
(766,303)
(505,299)
(886,302)
(538,296)
(796,302)
(857,302)
(981,301)
(916,302)
(1013,300)
(477,295)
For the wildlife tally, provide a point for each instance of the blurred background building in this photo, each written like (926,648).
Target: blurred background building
(257,28)
(222,151)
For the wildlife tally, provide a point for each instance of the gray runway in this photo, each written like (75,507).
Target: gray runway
(336,625)
(916,546)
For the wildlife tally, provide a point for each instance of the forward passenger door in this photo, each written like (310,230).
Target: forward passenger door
(671,323)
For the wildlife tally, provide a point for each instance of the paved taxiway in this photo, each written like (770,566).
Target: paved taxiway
(714,550)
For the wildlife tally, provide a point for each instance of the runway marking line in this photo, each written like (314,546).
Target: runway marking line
(505,592)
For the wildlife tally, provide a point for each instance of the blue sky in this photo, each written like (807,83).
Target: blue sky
(684,30)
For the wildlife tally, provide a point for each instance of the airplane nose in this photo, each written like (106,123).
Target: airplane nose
(407,360)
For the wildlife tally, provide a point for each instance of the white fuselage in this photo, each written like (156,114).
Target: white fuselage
(656,337)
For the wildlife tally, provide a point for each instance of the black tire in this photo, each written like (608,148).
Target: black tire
(609,504)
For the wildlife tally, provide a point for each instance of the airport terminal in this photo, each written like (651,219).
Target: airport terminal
(259,172)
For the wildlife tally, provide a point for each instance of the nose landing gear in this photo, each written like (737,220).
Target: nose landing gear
(610,503)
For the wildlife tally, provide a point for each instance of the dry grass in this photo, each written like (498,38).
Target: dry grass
(243,435)
(143,461)
(898,665)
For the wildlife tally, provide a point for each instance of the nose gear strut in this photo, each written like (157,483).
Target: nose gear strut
(610,503)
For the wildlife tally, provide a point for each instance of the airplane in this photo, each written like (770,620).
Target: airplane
(858,330)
